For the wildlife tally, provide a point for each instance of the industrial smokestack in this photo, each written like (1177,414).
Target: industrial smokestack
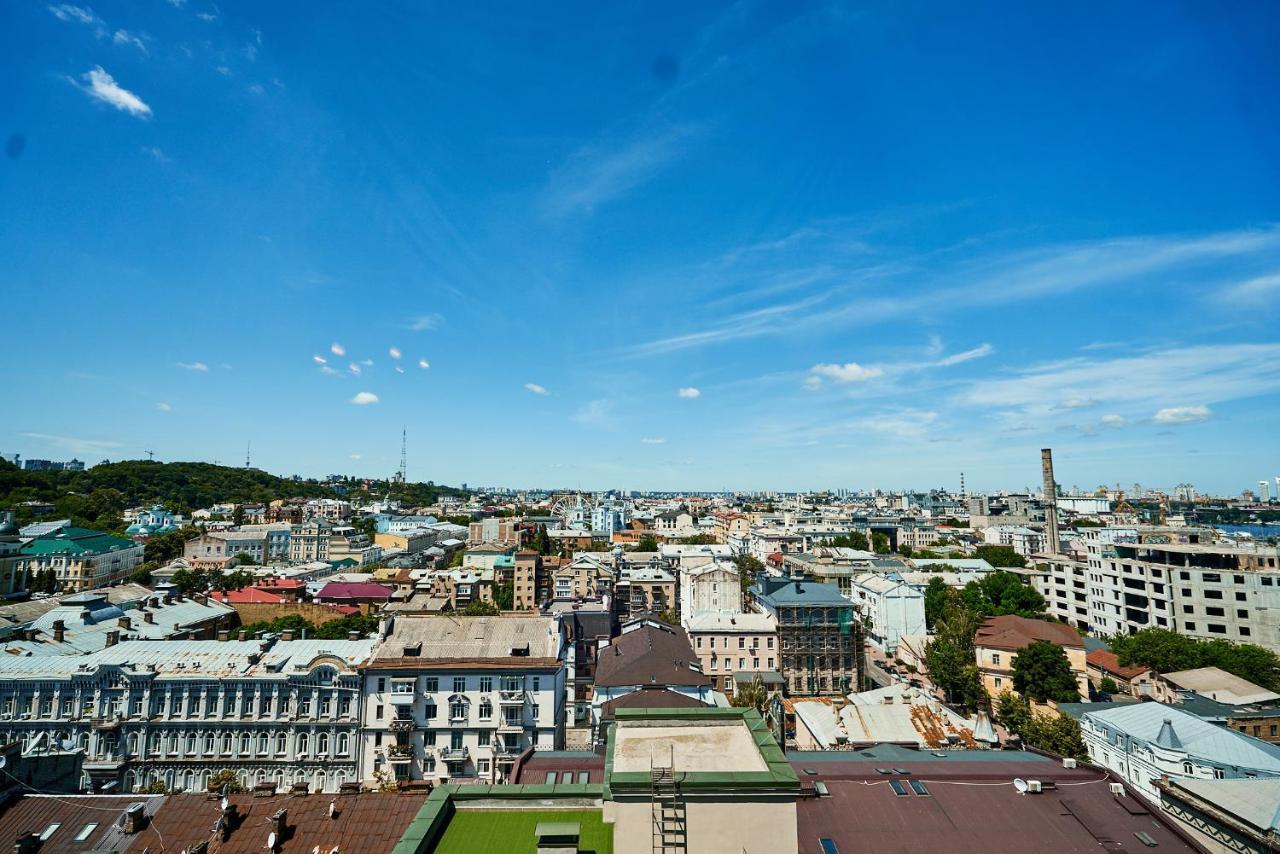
(1050,502)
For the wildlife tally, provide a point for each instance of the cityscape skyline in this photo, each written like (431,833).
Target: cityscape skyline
(745,247)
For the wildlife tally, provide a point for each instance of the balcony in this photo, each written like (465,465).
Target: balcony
(510,725)
(513,697)
(402,698)
(403,725)
(397,753)
(454,754)
(105,724)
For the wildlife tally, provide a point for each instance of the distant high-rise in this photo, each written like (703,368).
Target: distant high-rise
(1264,491)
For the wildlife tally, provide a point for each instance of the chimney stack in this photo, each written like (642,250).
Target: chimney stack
(113,637)
(125,623)
(1050,502)
(59,631)
(135,818)
(148,617)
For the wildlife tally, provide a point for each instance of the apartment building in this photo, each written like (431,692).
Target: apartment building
(309,541)
(710,587)
(819,633)
(493,530)
(1022,540)
(729,526)
(451,698)
(329,509)
(729,643)
(1000,639)
(176,712)
(643,589)
(263,544)
(346,543)
(587,576)
(11,579)
(890,608)
(80,558)
(530,583)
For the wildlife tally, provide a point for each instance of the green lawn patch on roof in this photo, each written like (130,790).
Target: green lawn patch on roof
(512,831)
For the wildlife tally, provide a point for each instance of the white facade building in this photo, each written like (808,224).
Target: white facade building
(890,608)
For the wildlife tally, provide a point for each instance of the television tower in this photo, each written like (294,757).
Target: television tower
(403,454)
(247,446)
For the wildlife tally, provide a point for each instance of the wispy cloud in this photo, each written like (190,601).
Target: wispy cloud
(424,364)
(854,372)
(900,424)
(319,360)
(845,296)
(164,407)
(1260,291)
(337,349)
(102,86)
(978,352)
(75,444)
(593,412)
(425,322)
(689,393)
(849,372)
(156,152)
(1183,415)
(194,366)
(394,352)
(126,37)
(74,14)
(364,398)
(653,440)
(535,388)
(601,172)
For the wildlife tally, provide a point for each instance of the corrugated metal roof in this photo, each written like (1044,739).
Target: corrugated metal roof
(1209,742)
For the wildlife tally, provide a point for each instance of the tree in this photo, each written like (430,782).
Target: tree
(456,560)
(855,540)
(905,550)
(189,581)
(949,657)
(225,781)
(670,617)
(542,541)
(478,608)
(1009,595)
(504,595)
(366,525)
(1108,686)
(647,544)
(699,540)
(237,515)
(163,548)
(1166,651)
(242,559)
(155,787)
(935,599)
(142,575)
(1055,733)
(752,695)
(880,543)
(749,566)
(1000,556)
(1042,672)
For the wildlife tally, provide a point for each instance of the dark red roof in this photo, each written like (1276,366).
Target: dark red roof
(649,698)
(652,654)
(540,763)
(1108,662)
(72,813)
(369,822)
(359,591)
(986,816)
(1012,632)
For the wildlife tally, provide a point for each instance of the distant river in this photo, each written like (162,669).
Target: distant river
(1259,531)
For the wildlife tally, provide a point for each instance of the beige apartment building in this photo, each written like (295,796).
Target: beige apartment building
(729,643)
(1000,639)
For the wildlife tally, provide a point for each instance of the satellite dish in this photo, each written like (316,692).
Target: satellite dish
(68,744)
(271,840)
(225,803)
(3,762)
(1020,784)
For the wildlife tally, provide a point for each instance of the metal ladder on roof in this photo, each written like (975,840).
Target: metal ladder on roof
(667,805)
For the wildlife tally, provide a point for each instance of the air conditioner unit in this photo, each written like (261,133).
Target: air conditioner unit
(1034,787)
(1117,789)
(1068,762)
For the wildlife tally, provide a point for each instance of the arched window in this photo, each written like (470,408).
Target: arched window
(133,744)
(304,744)
(458,705)
(244,743)
(282,743)
(320,781)
(263,742)
(486,709)
(226,742)
(189,781)
(344,744)
(322,744)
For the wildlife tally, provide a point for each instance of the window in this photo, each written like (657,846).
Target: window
(898,789)
(550,778)
(429,710)
(1218,773)
(50,831)
(322,744)
(486,684)
(1191,627)
(918,788)
(1213,594)
(1240,597)
(1186,768)
(344,744)
(1211,577)
(382,684)
(995,658)
(1245,631)
(486,709)
(459,684)
(1217,628)
(537,681)
(1213,612)
(1242,613)
(86,832)
(429,738)
(484,735)
(433,684)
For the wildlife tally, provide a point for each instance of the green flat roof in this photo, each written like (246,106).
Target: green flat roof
(76,541)
(517,831)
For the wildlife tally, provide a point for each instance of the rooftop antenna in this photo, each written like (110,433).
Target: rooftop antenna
(962,493)
(151,455)
(247,446)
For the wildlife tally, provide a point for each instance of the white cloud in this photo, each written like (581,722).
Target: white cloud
(597,174)
(689,393)
(256,89)
(207,17)
(535,388)
(156,152)
(1114,422)
(223,70)
(368,363)
(102,86)
(126,37)
(76,14)
(812,383)
(337,349)
(1262,290)
(194,366)
(655,440)
(399,370)
(903,424)
(164,407)
(849,372)
(593,412)
(1183,415)
(75,445)
(364,398)
(424,364)
(424,323)
(177,4)
(966,356)
(355,456)
(354,368)
(394,352)
(320,360)
(328,371)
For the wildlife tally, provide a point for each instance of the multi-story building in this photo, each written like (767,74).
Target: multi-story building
(730,643)
(819,632)
(496,530)
(330,509)
(710,587)
(890,608)
(1000,639)
(179,712)
(730,526)
(309,541)
(346,543)
(1145,742)
(452,698)
(80,558)
(1022,540)
(530,582)
(644,589)
(648,659)
(588,575)
(263,544)
(12,579)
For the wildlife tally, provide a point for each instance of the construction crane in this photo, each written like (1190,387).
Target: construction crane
(151,455)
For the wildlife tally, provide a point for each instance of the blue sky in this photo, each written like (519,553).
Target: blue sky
(647,245)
